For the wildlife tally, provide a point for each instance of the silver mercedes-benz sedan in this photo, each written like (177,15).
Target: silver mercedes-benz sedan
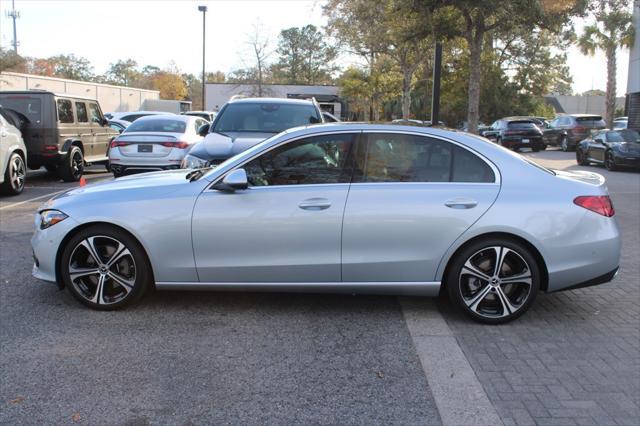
(351,208)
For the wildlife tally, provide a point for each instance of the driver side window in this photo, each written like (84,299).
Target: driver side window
(316,160)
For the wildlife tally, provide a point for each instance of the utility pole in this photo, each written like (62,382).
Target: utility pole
(14,14)
(203,9)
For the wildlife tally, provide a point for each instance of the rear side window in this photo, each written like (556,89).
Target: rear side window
(94,112)
(65,111)
(81,112)
(410,158)
(29,109)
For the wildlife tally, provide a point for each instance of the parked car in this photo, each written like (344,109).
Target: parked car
(567,131)
(62,132)
(620,123)
(515,133)
(611,148)
(351,208)
(156,142)
(132,116)
(245,122)
(207,115)
(118,125)
(13,156)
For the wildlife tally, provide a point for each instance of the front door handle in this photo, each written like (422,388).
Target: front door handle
(315,204)
(461,203)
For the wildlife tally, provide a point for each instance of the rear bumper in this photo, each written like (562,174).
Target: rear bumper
(518,142)
(137,168)
(602,279)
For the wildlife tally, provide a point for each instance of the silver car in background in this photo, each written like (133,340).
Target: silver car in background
(155,142)
(351,208)
(13,156)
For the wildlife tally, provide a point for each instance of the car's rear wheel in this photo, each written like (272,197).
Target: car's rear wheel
(105,268)
(494,281)
(72,166)
(14,175)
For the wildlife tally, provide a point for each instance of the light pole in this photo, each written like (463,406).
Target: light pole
(203,9)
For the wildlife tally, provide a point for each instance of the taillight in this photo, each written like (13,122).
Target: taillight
(180,145)
(579,129)
(116,144)
(51,147)
(600,204)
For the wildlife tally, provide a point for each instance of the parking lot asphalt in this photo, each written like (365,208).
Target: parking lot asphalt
(246,358)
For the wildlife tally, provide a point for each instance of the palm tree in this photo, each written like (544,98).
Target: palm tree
(613,28)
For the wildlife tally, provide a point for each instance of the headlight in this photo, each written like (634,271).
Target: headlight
(193,162)
(623,147)
(51,217)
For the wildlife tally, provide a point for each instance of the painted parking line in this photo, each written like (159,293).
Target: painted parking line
(30,200)
(458,394)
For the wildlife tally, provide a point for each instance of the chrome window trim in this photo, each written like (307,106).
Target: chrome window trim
(494,168)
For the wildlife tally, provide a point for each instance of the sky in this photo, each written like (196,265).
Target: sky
(158,32)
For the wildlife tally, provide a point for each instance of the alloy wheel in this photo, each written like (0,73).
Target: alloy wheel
(77,164)
(495,282)
(609,163)
(565,144)
(17,173)
(102,270)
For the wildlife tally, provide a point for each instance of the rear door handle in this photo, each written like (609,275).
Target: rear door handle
(315,204)
(461,203)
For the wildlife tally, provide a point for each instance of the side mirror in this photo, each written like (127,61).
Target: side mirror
(104,122)
(204,129)
(234,181)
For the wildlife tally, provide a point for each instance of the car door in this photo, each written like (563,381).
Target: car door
(550,134)
(411,197)
(102,133)
(597,147)
(286,226)
(84,128)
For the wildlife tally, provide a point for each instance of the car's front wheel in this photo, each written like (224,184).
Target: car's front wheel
(494,281)
(609,162)
(105,268)
(581,157)
(564,144)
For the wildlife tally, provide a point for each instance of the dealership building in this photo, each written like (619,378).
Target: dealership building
(111,98)
(633,83)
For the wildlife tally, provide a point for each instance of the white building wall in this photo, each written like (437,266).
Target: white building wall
(111,98)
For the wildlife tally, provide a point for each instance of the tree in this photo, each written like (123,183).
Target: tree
(612,28)
(170,83)
(304,56)
(259,48)
(122,72)
(11,61)
(63,66)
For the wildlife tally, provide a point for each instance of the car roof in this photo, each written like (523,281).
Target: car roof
(270,101)
(520,118)
(581,115)
(46,92)
(164,116)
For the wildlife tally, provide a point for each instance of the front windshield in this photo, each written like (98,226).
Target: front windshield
(157,125)
(265,117)
(624,136)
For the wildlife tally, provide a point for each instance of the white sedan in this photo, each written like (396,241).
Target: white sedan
(156,142)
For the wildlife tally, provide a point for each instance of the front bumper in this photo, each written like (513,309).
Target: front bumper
(45,244)
(627,160)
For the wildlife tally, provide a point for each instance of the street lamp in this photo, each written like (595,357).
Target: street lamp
(203,9)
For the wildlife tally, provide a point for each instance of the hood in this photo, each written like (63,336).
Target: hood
(146,185)
(217,146)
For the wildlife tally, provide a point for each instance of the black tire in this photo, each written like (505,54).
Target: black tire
(581,158)
(14,175)
(492,310)
(499,141)
(564,144)
(543,146)
(609,162)
(72,166)
(114,295)
(535,149)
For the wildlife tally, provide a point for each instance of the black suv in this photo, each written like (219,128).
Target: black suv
(515,133)
(61,132)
